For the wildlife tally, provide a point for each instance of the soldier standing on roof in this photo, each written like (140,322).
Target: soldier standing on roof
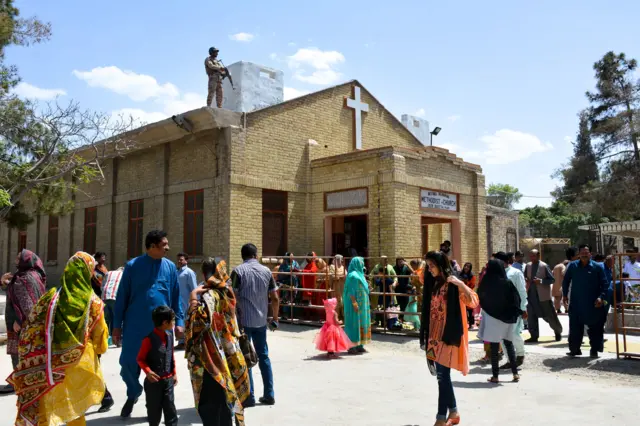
(216,72)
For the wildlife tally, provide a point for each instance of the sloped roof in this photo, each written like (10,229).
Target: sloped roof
(419,149)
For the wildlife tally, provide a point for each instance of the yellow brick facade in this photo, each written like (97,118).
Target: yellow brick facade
(304,147)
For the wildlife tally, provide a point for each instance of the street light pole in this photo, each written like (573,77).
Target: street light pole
(434,132)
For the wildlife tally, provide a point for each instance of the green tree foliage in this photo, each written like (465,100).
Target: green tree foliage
(614,106)
(557,221)
(46,151)
(503,195)
(581,174)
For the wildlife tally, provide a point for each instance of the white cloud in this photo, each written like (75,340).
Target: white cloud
(290,93)
(316,66)
(420,113)
(459,150)
(139,115)
(453,118)
(508,146)
(139,87)
(244,37)
(29,91)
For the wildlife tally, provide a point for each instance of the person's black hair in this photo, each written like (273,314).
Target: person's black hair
(501,256)
(571,252)
(162,314)
(510,257)
(599,258)
(495,270)
(625,275)
(183,254)
(209,266)
(447,242)
(581,246)
(249,251)
(154,237)
(381,269)
(98,255)
(453,329)
(518,253)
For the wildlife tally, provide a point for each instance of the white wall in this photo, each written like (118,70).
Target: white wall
(256,87)
(418,126)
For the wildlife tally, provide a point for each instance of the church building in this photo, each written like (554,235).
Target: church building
(326,172)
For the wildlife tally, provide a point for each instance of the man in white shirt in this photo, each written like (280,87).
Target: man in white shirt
(632,267)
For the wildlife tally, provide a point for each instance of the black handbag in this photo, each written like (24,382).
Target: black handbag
(249,352)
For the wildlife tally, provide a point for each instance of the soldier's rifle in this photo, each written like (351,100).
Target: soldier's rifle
(227,74)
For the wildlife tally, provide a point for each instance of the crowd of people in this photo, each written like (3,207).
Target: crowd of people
(57,336)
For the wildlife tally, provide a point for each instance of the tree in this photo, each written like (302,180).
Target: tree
(580,175)
(46,151)
(503,195)
(614,106)
(557,221)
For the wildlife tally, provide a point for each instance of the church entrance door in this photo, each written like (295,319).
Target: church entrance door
(344,233)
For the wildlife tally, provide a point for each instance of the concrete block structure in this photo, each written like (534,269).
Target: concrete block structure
(419,127)
(286,177)
(255,87)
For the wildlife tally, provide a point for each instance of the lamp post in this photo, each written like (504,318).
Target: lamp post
(434,132)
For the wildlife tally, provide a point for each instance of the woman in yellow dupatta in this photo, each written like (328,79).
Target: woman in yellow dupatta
(219,374)
(58,376)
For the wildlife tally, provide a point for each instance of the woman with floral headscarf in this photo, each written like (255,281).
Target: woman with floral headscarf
(23,291)
(58,376)
(219,374)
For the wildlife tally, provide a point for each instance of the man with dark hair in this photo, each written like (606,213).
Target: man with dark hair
(188,282)
(510,258)
(517,278)
(589,290)
(558,274)
(517,260)
(148,281)
(254,285)
(539,280)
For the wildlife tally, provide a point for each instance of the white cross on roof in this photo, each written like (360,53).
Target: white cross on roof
(358,108)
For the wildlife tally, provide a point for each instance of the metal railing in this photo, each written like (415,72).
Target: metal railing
(289,293)
(619,307)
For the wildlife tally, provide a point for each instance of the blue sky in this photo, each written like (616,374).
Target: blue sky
(504,79)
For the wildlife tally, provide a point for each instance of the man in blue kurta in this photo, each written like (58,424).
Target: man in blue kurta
(148,281)
(588,292)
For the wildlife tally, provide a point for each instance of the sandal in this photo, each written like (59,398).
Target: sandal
(453,420)
(493,380)
(516,378)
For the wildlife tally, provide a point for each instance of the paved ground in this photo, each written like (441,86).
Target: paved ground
(391,386)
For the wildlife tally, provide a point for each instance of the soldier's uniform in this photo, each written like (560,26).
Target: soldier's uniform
(215,71)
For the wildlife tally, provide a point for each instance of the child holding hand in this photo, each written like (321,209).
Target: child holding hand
(332,338)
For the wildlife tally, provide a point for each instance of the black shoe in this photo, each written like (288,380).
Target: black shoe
(558,337)
(267,400)
(7,390)
(128,408)
(107,403)
(594,354)
(249,403)
(573,354)
(506,366)
(519,360)
(531,340)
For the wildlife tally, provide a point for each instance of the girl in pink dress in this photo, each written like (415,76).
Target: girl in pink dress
(332,338)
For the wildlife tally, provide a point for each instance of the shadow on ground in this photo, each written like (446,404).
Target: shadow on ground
(620,366)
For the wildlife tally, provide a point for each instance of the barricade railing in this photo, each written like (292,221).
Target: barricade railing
(620,307)
(290,299)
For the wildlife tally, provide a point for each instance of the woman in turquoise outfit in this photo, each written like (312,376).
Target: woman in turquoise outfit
(357,312)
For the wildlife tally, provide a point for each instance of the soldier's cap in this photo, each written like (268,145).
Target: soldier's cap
(213,49)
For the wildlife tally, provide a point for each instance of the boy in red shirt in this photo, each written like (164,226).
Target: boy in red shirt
(157,362)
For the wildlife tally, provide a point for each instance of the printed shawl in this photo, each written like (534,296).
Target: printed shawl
(26,287)
(54,336)
(212,345)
